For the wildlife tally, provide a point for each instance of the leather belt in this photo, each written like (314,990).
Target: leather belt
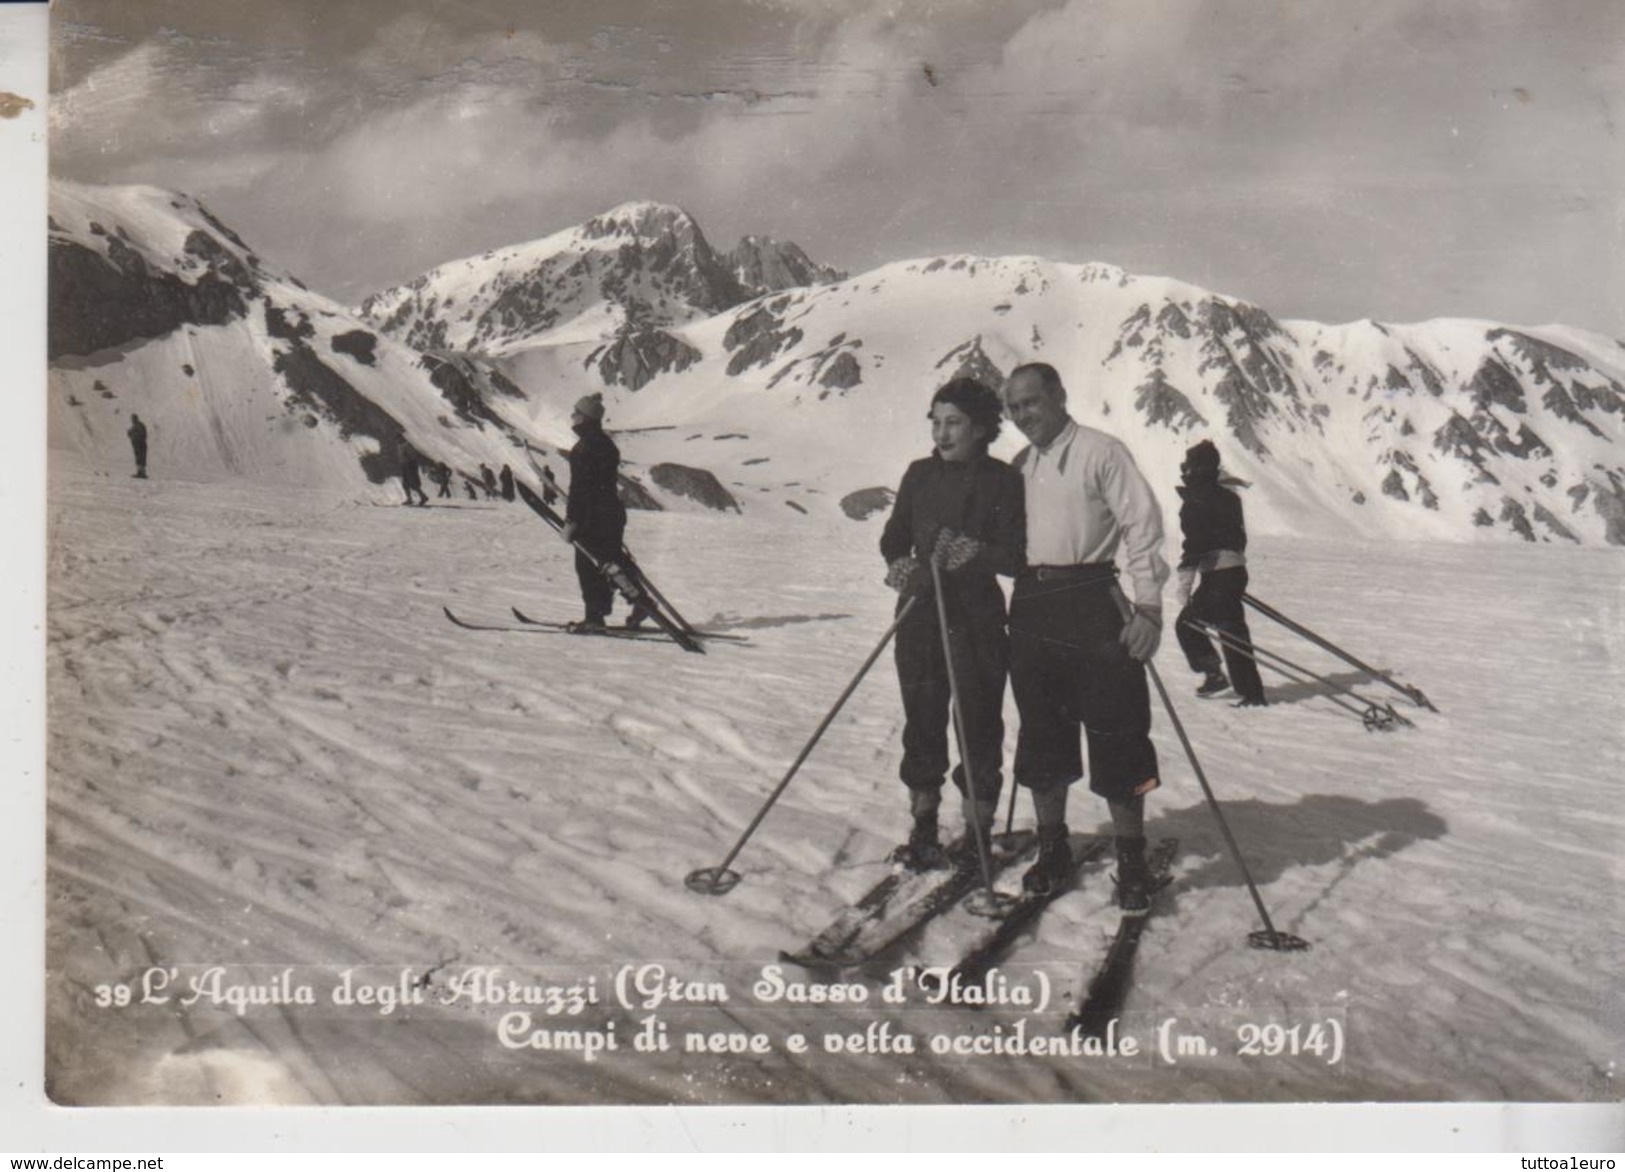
(1087,572)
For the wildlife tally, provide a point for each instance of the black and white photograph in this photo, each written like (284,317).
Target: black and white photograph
(814,553)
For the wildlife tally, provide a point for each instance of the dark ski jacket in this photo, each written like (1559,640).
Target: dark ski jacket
(410,474)
(1211,520)
(594,503)
(984,499)
(138,435)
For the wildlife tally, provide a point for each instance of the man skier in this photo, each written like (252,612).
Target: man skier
(412,478)
(1215,531)
(505,479)
(138,445)
(594,516)
(1078,646)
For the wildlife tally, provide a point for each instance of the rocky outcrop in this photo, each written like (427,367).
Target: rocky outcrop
(101,301)
(866,502)
(763,265)
(969,360)
(638,354)
(695,484)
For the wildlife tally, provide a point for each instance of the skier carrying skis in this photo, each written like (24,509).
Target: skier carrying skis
(1078,646)
(594,515)
(962,509)
(1215,547)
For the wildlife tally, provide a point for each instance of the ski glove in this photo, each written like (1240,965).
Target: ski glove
(1187,580)
(904,574)
(955,551)
(1143,633)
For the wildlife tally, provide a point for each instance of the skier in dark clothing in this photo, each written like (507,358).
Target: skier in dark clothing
(441,475)
(412,479)
(138,445)
(1215,547)
(489,480)
(962,509)
(506,480)
(595,517)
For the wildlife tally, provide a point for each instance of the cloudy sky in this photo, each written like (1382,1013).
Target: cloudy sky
(1397,159)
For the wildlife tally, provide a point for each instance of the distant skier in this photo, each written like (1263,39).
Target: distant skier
(138,444)
(468,487)
(595,517)
(962,509)
(489,480)
(412,478)
(506,480)
(441,475)
(1215,547)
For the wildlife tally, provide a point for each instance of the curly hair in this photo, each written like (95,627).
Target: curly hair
(977,400)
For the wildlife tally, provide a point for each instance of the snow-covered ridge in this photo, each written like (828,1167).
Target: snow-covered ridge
(238,370)
(799,399)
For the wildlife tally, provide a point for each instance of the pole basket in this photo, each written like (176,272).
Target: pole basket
(990,905)
(1383,718)
(1274,941)
(712,880)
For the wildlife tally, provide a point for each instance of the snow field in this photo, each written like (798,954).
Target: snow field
(269,748)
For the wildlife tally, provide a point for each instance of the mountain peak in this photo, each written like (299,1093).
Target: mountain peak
(641,217)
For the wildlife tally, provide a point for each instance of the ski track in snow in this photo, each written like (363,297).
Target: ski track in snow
(268,747)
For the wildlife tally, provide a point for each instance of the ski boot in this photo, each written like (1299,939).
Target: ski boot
(1251,702)
(640,615)
(1214,684)
(587,626)
(1133,879)
(923,850)
(1054,866)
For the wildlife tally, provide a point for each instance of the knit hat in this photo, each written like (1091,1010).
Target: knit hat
(592,406)
(1202,457)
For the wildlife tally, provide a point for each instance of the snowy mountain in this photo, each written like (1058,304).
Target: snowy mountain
(810,400)
(238,370)
(1441,430)
(622,280)
(641,265)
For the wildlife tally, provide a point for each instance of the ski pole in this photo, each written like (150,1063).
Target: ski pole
(1380,717)
(959,731)
(719,880)
(1268,936)
(1410,691)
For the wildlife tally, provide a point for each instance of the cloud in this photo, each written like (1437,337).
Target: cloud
(1369,157)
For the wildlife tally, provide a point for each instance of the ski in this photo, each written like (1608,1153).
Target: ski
(646,636)
(530,622)
(1108,990)
(899,903)
(622,581)
(994,936)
